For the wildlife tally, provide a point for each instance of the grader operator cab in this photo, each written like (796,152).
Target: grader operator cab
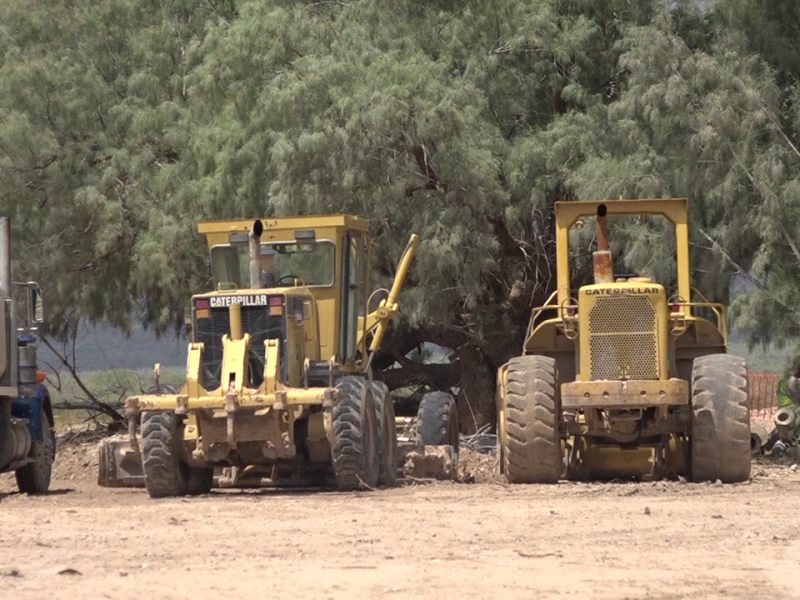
(623,378)
(278,382)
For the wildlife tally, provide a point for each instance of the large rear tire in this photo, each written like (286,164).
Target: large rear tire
(720,432)
(387,434)
(34,478)
(437,421)
(355,451)
(531,449)
(165,474)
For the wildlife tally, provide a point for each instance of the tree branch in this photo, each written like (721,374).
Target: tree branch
(97,404)
(716,246)
(791,243)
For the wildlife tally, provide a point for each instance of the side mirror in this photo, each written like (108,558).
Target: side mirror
(35,304)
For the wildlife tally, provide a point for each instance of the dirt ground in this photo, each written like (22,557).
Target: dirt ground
(420,540)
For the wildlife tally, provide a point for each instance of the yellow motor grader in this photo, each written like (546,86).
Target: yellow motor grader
(624,377)
(279,387)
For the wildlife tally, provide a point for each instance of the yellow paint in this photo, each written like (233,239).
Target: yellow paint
(235,312)
(247,399)
(272,365)
(316,426)
(638,342)
(500,396)
(613,461)
(626,394)
(191,431)
(556,333)
(676,456)
(193,369)
(234,363)
(328,300)
(388,308)
(674,209)
(327,227)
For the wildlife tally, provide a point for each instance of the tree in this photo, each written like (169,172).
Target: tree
(704,115)
(124,123)
(91,135)
(461,123)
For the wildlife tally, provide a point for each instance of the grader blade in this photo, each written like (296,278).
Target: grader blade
(119,464)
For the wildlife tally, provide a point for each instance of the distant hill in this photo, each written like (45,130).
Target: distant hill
(101,348)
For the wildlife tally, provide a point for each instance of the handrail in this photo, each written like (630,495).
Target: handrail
(551,304)
(719,310)
(706,300)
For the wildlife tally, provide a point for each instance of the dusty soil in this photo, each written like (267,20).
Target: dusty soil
(432,540)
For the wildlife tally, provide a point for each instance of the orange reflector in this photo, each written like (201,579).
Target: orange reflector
(275,311)
(203,313)
(41,376)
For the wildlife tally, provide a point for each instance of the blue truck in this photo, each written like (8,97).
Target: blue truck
(27,434)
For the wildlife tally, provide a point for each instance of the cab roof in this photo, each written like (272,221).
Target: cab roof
(350,222)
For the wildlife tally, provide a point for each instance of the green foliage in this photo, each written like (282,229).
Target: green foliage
(91,136)
(706,116)
(124,123)
(460,123)
(110,386)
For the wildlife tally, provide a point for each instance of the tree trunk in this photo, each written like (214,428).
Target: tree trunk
(476,406)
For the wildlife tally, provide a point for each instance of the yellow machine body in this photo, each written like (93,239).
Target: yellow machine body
(323,300)
(263,359)
(623,349)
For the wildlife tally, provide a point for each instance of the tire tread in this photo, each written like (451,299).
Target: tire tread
(34,478)
(354,453)
(532,452)
(164,473)
(387,435)
(720,438)
(437,421)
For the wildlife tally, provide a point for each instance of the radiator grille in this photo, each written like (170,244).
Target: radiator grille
(258,323)
(623,340)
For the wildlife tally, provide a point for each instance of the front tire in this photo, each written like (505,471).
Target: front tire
(531,450)
(165,474)
(387,436)
(34,478)
(437,421)
(355,451)
(720,433)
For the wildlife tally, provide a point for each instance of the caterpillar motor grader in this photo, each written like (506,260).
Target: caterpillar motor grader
(622,378)
(278,380)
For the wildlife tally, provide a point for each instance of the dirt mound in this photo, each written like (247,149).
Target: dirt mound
(475,467)
(76,457)
(435,462)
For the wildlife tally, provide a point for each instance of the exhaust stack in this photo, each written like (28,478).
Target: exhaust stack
(602,262)
(8,313)
(5,256)
(254,240)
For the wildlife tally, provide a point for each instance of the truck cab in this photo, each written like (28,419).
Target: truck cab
(27,435)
